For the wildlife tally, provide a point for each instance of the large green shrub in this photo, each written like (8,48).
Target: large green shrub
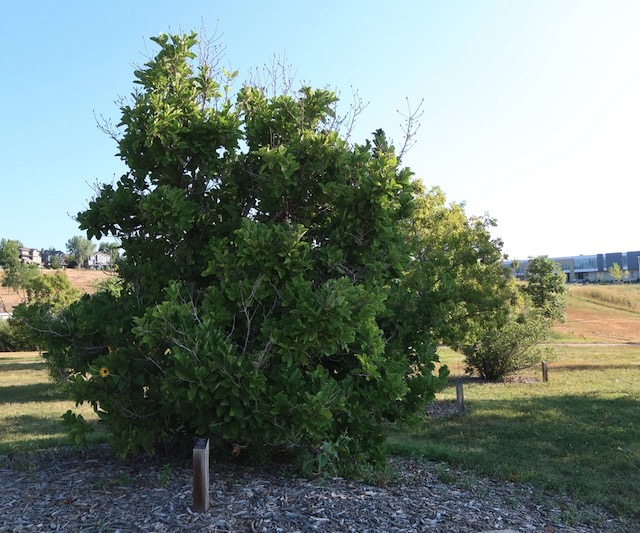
(15,274)
(546,287)
(457,282)
(509,346)
(46,297)
(513,342)
(261,251)
(12,338)
(43,296)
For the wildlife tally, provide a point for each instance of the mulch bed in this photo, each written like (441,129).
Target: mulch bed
(64,490)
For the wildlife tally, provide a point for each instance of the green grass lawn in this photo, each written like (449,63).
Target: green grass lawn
(30,404)
(577,434)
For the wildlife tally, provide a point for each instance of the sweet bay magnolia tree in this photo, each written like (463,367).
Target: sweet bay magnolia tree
(260,250)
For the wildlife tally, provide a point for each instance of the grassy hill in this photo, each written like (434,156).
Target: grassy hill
(601,313)
(84,280)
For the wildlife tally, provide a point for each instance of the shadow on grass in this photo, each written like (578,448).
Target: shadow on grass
(463,378)
(585,446)
(36,392)
(13,367)
(31,424)
(570,367)
(31,432)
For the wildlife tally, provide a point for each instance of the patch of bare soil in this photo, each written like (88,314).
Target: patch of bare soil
(598,326)
(61,490)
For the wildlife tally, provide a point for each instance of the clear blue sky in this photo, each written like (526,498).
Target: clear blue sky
(531,109)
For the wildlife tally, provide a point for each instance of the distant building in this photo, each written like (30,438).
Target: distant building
(50,257)
(30,256)
(589,268)
(99,261)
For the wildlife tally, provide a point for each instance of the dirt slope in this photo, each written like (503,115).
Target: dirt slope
(603,320)
(601,325)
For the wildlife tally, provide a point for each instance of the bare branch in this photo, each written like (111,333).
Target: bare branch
(275,78)
(346,122)
(410,127)
(105,125)
(210,49)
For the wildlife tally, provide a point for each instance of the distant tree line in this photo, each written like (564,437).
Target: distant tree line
(79,251)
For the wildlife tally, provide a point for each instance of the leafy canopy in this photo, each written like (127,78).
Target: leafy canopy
(457,281)
(9,253)
(263,259)
(15,273)
(80,248)
(514,342)
(43,297)
(617,273)
(546,287)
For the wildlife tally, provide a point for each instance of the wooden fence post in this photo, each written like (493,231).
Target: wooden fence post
(460,397)
(545,371)
(201,476)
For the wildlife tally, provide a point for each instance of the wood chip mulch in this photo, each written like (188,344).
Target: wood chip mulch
(93,491)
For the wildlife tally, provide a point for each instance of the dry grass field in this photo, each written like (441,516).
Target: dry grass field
(83,280)
(602,314)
